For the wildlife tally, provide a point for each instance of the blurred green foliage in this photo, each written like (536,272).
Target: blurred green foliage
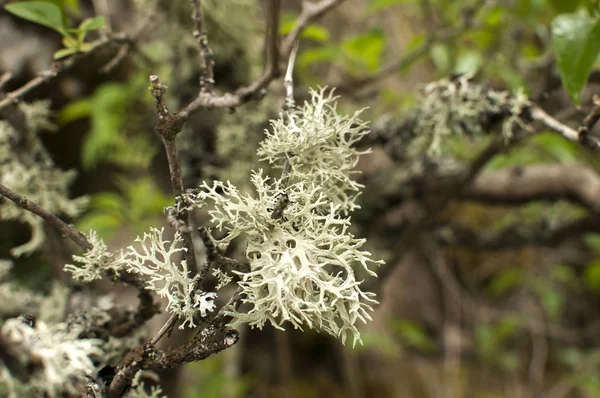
(138,204)
(116,112)
(50,15)
(212,381)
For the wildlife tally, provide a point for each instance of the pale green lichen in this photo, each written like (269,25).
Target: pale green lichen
(300,251)
(318,144)
(158,261)
(461,106)
(95,262)
(138,389)
(65,359)
(27,169)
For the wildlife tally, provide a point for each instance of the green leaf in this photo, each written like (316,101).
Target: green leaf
(576,45)
(440,55)
(591,276)
(468,62)
(316,33)
(70,42)
(64,52)
(89,24)
(75,110)
(40,12)
(505,281)
(85,47)
(319,54)
(364,51)
(413,335)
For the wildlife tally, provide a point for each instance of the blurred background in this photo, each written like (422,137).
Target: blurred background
(491,286)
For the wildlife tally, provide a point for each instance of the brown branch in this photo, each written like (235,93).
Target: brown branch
(206,55)
(59,67)
(207,342)
(4,78)
(538,182)
(66,230)
(168,127)
(518,236)
(146,308)
(272,70)
(310,12)
(412,234)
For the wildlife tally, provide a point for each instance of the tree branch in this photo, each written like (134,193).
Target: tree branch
(580,136)
(66,230)
(168,129)
(517,236)
(310,12)
(206,55)
(538,182)
(59,67)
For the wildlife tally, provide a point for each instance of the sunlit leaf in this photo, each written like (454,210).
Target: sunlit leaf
(64,52)
(364,51)
(75,110)
(576,45)
(40,12)
(89,24)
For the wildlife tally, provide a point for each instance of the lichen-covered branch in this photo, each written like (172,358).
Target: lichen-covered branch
(65,229)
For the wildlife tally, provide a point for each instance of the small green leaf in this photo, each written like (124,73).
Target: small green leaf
(75,110)
(468,62)
(316,33)
(364,51)
(413,335)
(591,276)
(440,55)
(40,12)
(576,45)
(317,55)
(89,24)
(64,52)
(505,281)
(70,42)
(85,47)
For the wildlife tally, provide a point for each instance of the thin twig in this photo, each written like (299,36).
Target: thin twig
(272,46)
(289,104)
(310,12)
(67,231)
(4,78)
(169,132)
(410,237)
(206,55)
(166,328)
(581,136)
(288,82)
(59,67)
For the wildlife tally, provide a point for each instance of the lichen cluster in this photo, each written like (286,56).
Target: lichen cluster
(460,106)
(26,168)
(300,251)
